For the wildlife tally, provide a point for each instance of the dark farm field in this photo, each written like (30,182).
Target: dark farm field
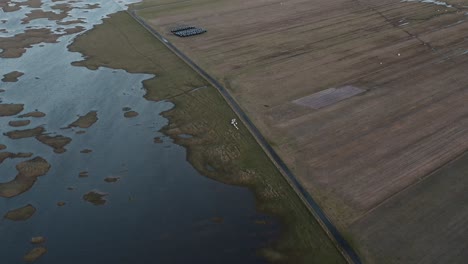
(356,156)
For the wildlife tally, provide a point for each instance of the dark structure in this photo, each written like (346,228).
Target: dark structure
(187,31)
(181,28)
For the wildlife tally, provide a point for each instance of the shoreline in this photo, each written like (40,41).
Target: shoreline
(238,164)
(326,223)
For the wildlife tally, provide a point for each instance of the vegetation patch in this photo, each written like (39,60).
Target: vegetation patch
(15,46)
(35,254)
(17,134)
(130,114)
(21,214)
(19,123)
(10,155)
(85,121)
(37,240)
(58,142)
(10,109)
(95,198)
(28,171)
(12,76)
(111,179)
(35,114)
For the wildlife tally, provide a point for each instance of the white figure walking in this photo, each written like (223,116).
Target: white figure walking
(234,123)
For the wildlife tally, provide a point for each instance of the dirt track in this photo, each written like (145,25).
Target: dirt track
(358,153)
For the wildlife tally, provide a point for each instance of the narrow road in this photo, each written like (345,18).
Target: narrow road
(347,251)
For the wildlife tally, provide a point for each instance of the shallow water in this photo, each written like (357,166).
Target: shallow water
(161,210)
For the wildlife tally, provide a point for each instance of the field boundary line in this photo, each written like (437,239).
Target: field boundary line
(330,229)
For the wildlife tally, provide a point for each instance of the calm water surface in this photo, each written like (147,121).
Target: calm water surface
(160,211)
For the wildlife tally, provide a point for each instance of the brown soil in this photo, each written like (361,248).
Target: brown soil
(17,134)
(37,240)
(85,121)
(157,140)
(35,254)
(58,142)
(35,114)
(130,114)
(12,76)
(9,155)
(95,198)
(356,153)
(361,152)
(437,201)
(28,171)
(2,147)
(10,109)
(19,123)
(21,214)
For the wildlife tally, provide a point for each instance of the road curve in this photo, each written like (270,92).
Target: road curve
(345,248)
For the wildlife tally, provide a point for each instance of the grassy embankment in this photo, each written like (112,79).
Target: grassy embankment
(216,149)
